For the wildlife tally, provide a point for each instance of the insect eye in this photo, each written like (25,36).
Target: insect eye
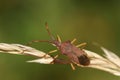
(84,60)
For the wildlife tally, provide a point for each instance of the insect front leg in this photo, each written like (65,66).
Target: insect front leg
(81,45)
(55,58)
(59,39)
(53,51)
(73,40)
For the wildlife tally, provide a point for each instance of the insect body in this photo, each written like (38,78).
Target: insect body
(75,55)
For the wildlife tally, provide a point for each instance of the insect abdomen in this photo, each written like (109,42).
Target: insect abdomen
(84,60)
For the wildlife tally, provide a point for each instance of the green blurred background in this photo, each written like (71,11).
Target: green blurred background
(87,20)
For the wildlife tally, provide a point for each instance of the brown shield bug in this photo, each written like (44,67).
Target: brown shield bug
(75,55)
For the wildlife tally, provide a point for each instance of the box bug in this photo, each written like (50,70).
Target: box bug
(75,55)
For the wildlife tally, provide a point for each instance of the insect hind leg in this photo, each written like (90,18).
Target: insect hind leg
(72,66)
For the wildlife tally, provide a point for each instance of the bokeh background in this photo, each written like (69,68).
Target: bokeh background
(87,20)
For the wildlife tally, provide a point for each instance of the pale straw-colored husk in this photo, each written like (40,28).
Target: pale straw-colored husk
(109,62)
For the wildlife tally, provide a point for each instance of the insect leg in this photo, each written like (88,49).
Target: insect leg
(73,40)
(53,51)
(55,57)
(61,61)
(58,38)
(82,45)
(72,66)
(50,52)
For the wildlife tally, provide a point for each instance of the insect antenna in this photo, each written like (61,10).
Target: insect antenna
(51,36)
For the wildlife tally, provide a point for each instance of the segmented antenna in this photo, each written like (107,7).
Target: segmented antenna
(52,37)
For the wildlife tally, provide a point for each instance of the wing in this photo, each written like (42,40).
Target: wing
(84,60)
